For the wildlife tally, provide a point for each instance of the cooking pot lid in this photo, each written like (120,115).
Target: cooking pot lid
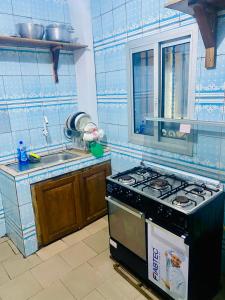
(61,26)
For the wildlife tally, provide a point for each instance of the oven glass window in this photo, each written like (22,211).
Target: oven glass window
(143,91)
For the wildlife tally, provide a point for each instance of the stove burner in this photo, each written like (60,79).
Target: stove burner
(198,190)
(143,172)
(159,184)
(181,200)
(127,179)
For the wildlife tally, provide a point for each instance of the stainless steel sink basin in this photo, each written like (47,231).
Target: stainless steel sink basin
(45,160)
(59,157)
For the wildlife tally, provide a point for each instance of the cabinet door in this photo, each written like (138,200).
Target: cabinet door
(93,192)
(57,206)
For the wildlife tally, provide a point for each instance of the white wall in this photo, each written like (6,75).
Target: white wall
(85,67)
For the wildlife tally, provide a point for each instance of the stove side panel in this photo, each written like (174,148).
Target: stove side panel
(206,233)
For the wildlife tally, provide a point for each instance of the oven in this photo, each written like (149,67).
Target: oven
(127,226)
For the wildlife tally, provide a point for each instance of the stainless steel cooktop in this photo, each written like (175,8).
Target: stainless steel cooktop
(173,189)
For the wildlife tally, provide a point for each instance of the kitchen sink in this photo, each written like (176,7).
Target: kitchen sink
(58,157)
(45,160)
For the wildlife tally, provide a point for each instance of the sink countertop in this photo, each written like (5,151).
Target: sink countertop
(82,155)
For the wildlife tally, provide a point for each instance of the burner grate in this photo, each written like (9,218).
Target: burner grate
(158,184)
(183,201)
(127,179)
(174,190)
(199,191)
(146,173)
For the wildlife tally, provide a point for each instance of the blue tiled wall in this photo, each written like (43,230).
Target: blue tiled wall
(114,23)
(27,88)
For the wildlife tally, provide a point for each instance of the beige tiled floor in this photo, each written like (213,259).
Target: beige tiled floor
(76,267)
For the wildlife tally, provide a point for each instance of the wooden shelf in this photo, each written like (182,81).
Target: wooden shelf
(205,12)
(180,5)
(54,47)
(186,6)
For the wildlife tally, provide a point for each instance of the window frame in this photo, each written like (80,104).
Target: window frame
(157,42)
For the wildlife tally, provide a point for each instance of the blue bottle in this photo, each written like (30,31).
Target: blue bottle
(142,128)
(22,153)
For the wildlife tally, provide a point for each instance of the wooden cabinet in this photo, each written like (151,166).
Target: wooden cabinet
(57,203)
(93,192)
(67,203)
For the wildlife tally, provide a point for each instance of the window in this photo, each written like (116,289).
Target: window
(161,74)
(143,90)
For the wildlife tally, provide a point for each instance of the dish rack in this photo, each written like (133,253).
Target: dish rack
(75,130)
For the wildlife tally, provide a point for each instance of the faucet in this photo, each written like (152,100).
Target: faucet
(45,129)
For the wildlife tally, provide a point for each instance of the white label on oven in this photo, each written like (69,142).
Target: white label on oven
(168,260)
(112,243)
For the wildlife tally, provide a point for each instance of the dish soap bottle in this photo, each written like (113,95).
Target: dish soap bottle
(22,153)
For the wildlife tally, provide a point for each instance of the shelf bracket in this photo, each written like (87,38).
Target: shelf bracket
(55,60)
(206,17)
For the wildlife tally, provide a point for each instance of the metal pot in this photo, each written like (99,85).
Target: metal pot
(59,33)
(30,30)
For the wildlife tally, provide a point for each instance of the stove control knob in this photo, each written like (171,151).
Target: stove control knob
(129,194)
(160,210)
(109,188)
(119,191)
(168,213)
(138,198)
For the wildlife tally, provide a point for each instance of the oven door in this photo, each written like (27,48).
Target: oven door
(168,261)
(127,226)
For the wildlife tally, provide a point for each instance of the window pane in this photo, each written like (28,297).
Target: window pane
(175,74)
(143,91)
(175,77)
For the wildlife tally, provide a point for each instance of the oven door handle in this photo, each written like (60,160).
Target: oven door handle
(125,207)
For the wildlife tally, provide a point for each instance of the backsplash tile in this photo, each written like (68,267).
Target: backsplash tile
(150,12)
(6,25)
(97,28)
(134,17)
(28,63)
(22,7)
(105,6)
(6,145)
(12,90)
(120,20)
(35,116)
(4,121)
(6,6)
(18,118)
(213,79)
(9,62)
(44,63)
(38,141)
(107,25)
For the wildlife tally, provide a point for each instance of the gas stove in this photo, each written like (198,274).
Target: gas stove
(180,192)
(155,210)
